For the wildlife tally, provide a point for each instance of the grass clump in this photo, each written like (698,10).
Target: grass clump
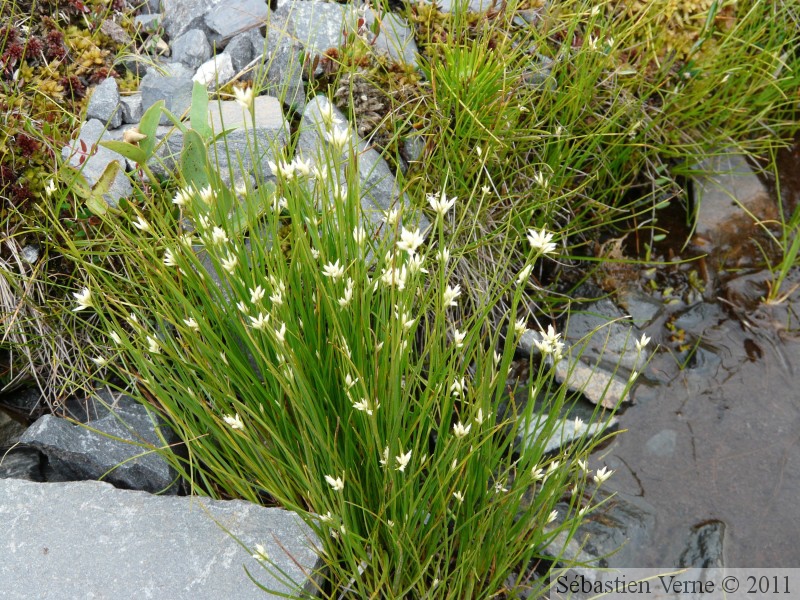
(329,376)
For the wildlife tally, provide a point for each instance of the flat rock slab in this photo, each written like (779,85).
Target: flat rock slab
(91,540)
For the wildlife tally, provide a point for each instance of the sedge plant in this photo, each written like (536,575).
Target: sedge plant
(318,359)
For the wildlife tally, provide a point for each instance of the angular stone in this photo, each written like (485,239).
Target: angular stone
(380,191)
(89,539)
(104,104)
(22,462)
(724,190)
(131,107)
(474,6)
(316,25)
(191,48)
(250,145)
(183,15)
(94,159)
(147,23)
(10,430)
(283,77)
(233,17)
(596,383)
(77,453)
(395,38)
(244,47)
(216,72)
(175,91)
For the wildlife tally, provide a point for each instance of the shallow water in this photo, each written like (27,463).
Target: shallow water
(720,439)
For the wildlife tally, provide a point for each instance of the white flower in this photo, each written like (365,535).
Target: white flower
(363,406)
(261,552)
(541,241)
(187,240)
(479,418)
(385,456)
(242,307)
(182,197)
(191,324)
(282,169)
(301,166)
(458,387)
(550,343)
(256,294)
(519,327)
(392,216)
(441,204)
(218,236)
(349,381)
(279,203)
(393,276)
(203,222)
(276,297)
(541,180)
(234,422)
(348,293)
(229,263)
(115,338)
(360,235)
(552,516)
(537,473)
(583,511)
(314,253)
(337,484)
(100,361)
(327,518)
(450,295)
(338,137)
(523,275)
(602,475)
(244,97)
(83,298)
(460,430)
(169,258)
(50,187)
(634,376)
(415,264)
(152,345)
(458,338)
(402,461)
(580,426)
(499,487)
(443,256)
(340,195)
(320,172)
(582,465)
(260,322)
(642,342)
(333,270)
(141,224)
(281,333)
(458,496)
(328,114)
(410,240)
(207,195)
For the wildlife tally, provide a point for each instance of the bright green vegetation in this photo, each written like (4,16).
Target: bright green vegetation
(359,379)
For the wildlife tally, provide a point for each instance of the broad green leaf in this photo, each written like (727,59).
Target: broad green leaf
(129,151)
(194,161)
(148,126)
(95,201)
(198,114)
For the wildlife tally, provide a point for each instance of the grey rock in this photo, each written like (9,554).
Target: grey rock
(131,107)
(24,400)
(563,432)
(233,17)
(21,462)
(216,72)
(413,147)
(475,6)
(724,187)
(104,104)
(663,443)
(705,547)
(395,38)
(191,48)
(379,188)
(610,536)
(148,23)
(244,47)
(10,430)
(316,25)
(30,254)
(91,540)
(643,309)
(183,15)
(172,69)
(93,162)
(151,6)
(599,385)
(281,73)
(250,144)
(175,91)
(77,453)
